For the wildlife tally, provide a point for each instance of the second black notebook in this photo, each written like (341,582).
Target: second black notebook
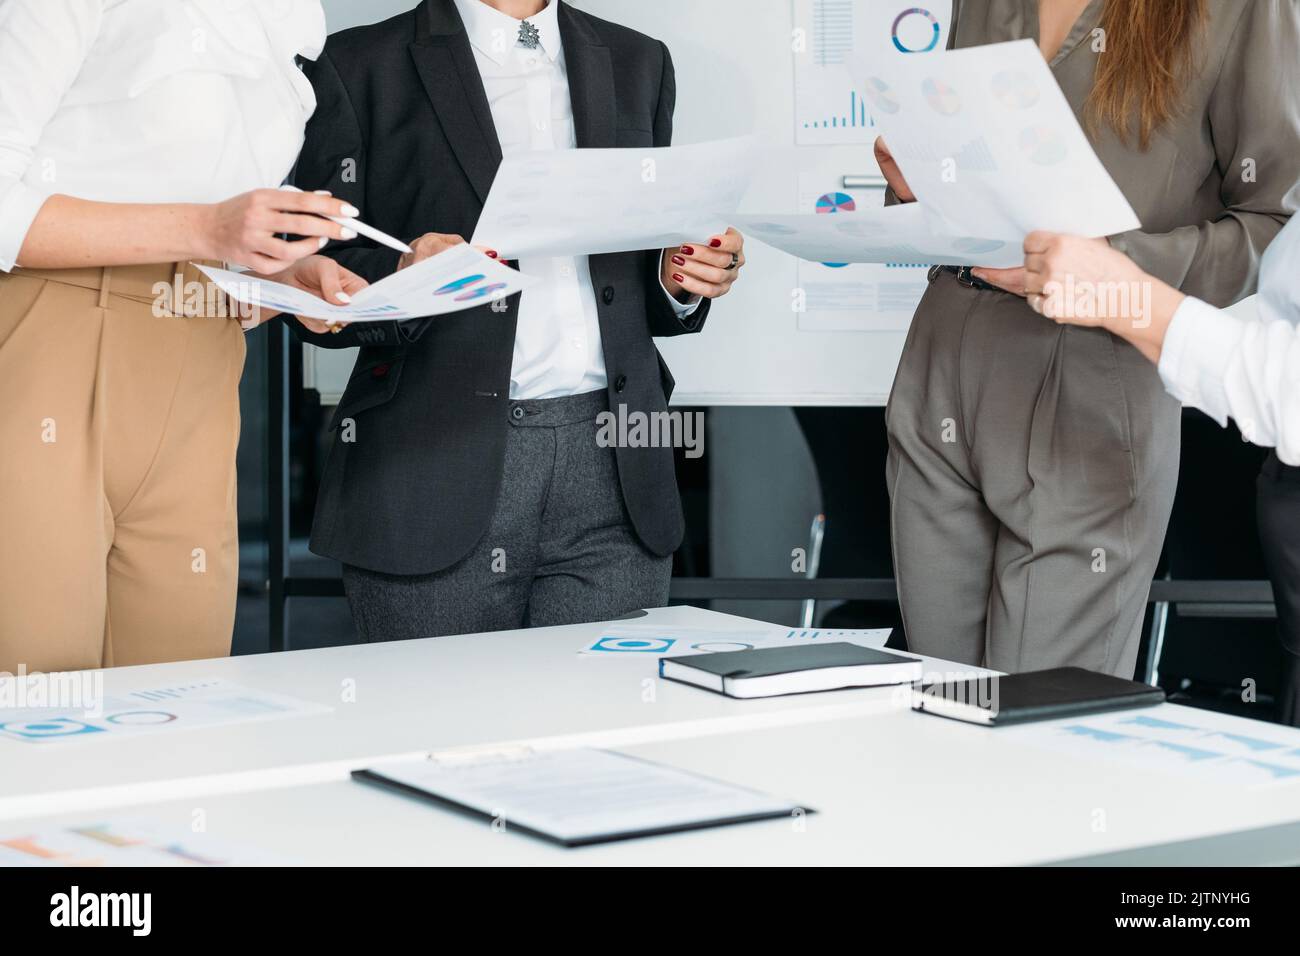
(999,699)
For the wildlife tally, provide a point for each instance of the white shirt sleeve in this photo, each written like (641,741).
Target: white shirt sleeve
(1231,367)
(683,310)
(43,44)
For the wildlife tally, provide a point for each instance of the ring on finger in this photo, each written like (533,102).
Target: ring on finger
(735,261)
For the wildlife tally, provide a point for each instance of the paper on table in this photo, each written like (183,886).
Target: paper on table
(578,202)
(647,640)
(187,706)
(903,235)
(122,841)
(990,145)
(458,278)
(585,796)
(1216,747)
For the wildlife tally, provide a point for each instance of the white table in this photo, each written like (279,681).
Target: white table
(893,788)
(890,786)
(411,697)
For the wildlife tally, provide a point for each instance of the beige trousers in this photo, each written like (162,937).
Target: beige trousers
(119,423)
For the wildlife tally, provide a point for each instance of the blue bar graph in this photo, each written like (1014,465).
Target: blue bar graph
(856,118)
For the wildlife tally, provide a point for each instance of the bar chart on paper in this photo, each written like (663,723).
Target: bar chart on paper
(828,109)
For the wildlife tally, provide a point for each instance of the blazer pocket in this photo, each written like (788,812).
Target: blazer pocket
(373,383)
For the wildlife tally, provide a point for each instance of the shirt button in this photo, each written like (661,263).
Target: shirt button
(608,294)
(578,344)
(620,383)
(541,126)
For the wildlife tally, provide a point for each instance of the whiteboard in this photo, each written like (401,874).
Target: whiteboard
(735,75)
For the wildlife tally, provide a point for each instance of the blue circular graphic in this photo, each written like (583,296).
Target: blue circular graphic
(915,11)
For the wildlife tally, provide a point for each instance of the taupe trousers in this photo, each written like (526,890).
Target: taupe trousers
(118,531)
(1032,467)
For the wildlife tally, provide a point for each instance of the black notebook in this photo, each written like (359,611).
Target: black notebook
(1034,695)
(799,669)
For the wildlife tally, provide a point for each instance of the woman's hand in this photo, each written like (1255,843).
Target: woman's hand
(1079,281)
(246,229)
(1082,281)
(893,175)
(1008,280)
(1016,281)
(708,270)
(432,243)
(323,278)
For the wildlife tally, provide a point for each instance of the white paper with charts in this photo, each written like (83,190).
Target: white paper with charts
(578,202)
(648,640)
(458,278)
(894,235)
(115,841)
(992,150)
(828,34)
(990,145)
(1215,748)
(150,710)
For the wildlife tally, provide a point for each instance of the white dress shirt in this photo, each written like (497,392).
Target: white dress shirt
(557,338)
(1248,370)
(148,101)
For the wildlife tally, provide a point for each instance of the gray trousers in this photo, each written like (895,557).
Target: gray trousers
(1278,507)
(1032,470)
(560,548)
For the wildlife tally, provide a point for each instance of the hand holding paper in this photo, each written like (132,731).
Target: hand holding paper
(990,147)
(459,278)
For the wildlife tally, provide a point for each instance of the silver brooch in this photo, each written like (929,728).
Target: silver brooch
(529,35)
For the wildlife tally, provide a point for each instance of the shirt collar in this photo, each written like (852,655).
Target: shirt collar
(495,34)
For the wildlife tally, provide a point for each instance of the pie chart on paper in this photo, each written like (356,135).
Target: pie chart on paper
(881,96)
(836,202)
(943,99)
(830,204)
(1014,90)
(1042,145)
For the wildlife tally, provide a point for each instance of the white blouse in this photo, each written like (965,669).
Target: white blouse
(148,101)
(1248,370)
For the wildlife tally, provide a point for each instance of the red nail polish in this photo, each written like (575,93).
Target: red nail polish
(688,250)
(492,253)
(715,243)
(678,278)
(679,261)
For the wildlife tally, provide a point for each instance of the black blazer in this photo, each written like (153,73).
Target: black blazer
(403,130)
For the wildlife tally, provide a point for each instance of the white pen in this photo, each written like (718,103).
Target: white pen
(383,238)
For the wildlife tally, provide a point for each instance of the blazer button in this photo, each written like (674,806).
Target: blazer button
(620,383)
(379,371)
(608,294)
(517,412)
